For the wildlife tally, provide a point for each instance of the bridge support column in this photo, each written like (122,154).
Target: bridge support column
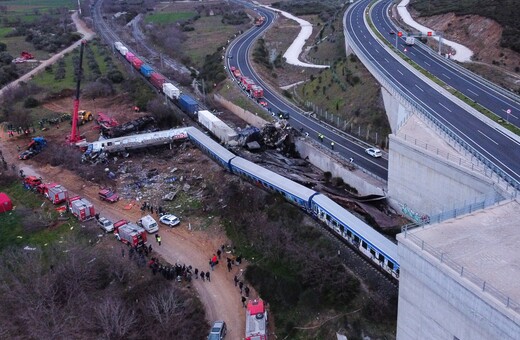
(395,111)
(348,49)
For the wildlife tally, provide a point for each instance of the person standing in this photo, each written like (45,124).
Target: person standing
(246,290)
(236,280)
(241,285)
(158,238)
(202,275)
(196,273)
(122,252)
(218,253)
(244,301)
(150,248)
(229,266)
(207,277)
(332,145)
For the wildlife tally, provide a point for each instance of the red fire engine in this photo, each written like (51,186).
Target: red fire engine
(256,320)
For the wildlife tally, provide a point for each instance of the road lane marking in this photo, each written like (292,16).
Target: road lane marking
(483,134)
(412,53)
(444,107)
(473,92)
(401,73)
(427,63)
(419,87)
(387,61)
(446,76)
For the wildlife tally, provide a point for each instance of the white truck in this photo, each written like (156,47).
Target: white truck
(410,41)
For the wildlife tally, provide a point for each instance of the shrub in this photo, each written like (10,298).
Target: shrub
(31,102)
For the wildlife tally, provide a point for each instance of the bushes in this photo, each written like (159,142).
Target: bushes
(30,102)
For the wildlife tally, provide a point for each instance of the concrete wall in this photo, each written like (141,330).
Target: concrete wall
(428,183)
(395,112)
(325,161)
(248,117)
(435,303)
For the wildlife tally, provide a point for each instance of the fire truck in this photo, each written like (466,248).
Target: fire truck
(247,83)
(54,192)
(130,233)
(82,209)
(256,320)
(257,92)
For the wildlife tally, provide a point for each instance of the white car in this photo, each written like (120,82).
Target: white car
(105,224)
(374,152)
(169,220)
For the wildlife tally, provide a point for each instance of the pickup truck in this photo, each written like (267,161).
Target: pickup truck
(108,195)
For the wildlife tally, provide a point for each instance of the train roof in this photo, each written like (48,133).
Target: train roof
(365,231)
(210,144)
(273,178)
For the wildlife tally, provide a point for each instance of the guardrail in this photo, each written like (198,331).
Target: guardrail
(418,108)
(459,269)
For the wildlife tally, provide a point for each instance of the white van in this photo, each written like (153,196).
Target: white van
(149,224)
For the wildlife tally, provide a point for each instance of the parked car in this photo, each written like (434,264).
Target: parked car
(283,114)
(105,224)
(108,195)
(218,331)
(169,220)
(374,152)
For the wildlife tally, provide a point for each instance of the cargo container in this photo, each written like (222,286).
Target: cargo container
(188,104)
(147,70)
(217,127)
(157,80)
(118,45)
(129,56)
(137,63)
(123,50)
(171,91)
(257,92)
(81,208)
(247,83)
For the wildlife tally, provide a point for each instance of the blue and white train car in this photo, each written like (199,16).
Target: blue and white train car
(218,153)
(377,247)
(268,180)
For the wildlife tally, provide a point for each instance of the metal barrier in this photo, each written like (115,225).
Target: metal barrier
(475,279)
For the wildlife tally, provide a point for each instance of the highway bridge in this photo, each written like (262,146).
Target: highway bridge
(407,92)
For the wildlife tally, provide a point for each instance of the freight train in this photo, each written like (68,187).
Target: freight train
(379,249)
(160,82)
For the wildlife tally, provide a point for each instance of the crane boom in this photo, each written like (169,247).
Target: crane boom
(74,134)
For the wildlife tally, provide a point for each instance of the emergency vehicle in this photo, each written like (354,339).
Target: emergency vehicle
(130,233)
(82,209)
(256,320)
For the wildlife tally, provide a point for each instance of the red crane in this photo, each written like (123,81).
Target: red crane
(74,134)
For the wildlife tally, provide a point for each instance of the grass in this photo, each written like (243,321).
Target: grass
(168,18)
(229,91)
(47,81)
(207,29)
(11,223)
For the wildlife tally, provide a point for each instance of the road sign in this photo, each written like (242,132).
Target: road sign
(399,34)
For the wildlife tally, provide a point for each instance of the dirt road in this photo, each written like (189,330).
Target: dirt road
(222,300)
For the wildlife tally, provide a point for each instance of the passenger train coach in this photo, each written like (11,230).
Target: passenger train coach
(369,242)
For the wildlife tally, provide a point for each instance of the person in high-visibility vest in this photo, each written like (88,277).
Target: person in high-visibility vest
(332,145)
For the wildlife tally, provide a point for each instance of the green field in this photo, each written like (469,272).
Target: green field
(168,18)
(20,5)
(47,81)
(26,203)
(207,29)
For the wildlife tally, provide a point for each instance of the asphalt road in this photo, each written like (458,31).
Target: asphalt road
(345,146)
(497,147)
(489,95)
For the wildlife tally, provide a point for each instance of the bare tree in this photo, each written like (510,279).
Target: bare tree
(114,319)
